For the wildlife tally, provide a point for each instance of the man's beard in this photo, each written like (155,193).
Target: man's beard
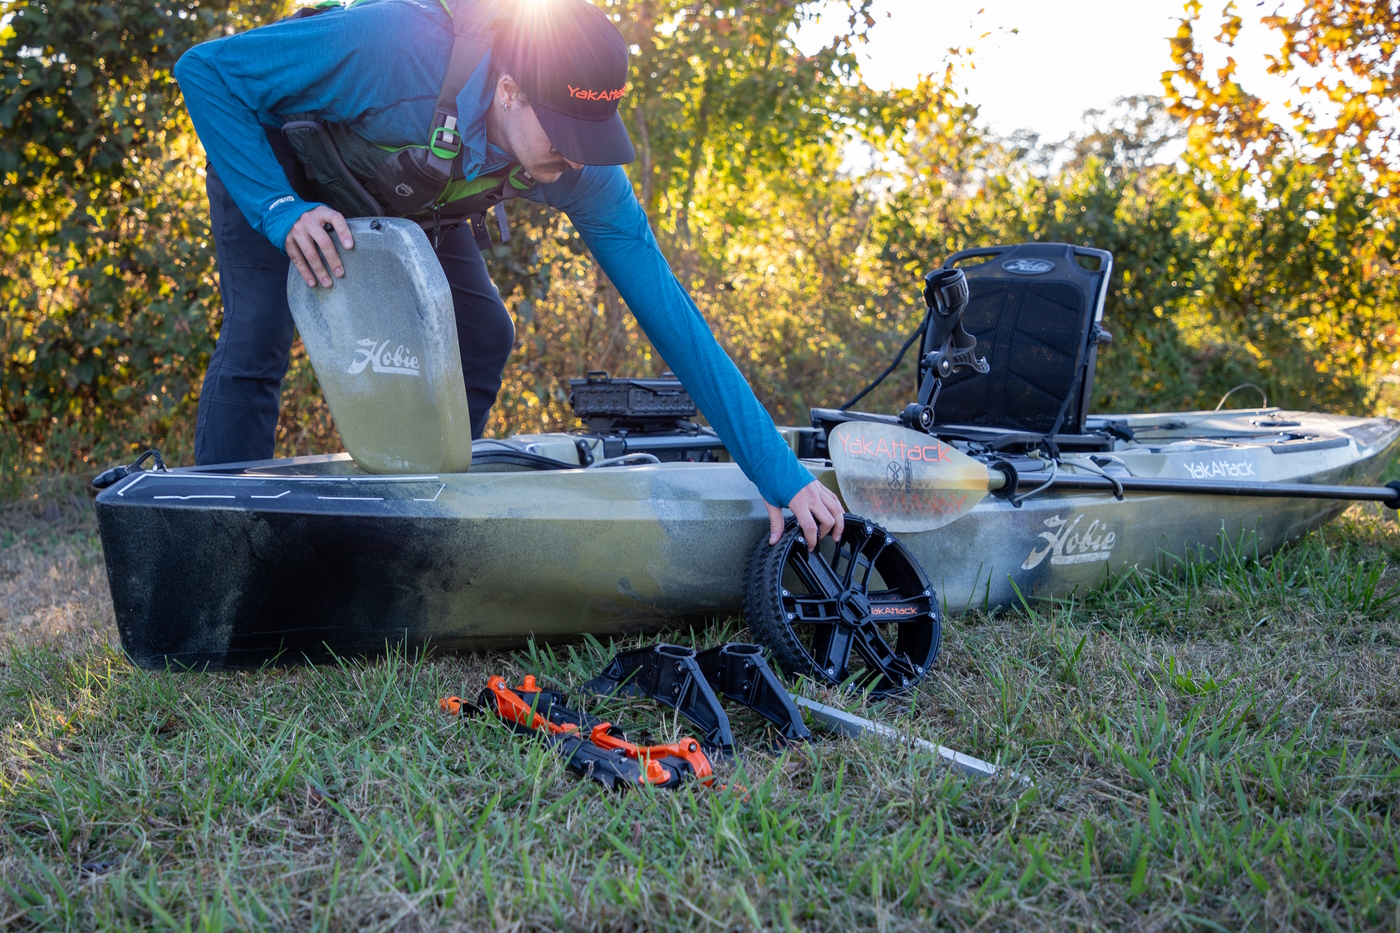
(548,167)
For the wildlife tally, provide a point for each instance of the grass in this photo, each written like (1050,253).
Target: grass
(1218,748)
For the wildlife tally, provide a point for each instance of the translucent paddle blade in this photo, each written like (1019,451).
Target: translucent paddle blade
(902,479)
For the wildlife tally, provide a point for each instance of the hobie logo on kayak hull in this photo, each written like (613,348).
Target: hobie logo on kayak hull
(1065,544)
(380,359)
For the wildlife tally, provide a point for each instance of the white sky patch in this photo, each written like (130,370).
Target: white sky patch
(1066,57)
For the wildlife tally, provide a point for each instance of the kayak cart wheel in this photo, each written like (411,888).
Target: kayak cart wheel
(857,611)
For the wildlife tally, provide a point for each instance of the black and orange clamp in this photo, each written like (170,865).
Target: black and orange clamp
(691,684)
(592,747)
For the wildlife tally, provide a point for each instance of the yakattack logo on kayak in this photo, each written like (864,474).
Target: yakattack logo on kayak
(1065,544)
(380,359)
(896,451)
(1217,469)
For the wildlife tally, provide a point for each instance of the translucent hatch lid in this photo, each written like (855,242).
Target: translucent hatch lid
(383,342)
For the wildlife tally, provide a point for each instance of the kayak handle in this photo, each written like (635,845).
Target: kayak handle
(118,473)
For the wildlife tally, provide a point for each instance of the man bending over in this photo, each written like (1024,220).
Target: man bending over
(439,110)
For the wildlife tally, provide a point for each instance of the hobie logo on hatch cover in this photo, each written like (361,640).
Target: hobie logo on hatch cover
(380,359)
(1066,544)
(1218,469)
(1028,266)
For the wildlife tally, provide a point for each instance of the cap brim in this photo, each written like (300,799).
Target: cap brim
(589,142)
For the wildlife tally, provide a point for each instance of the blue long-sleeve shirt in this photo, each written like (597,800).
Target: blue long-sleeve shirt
(378,67)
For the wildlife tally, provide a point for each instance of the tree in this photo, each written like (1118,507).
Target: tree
(106,270)
(1308,213)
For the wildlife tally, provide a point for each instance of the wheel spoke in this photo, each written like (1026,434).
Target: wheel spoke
(877,653)
(816,572)
(815,610)
(831,650)
(869,562)
(852,561)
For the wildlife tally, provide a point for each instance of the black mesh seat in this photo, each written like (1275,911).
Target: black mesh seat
(1035,311)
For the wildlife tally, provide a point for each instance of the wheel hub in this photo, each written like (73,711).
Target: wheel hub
(855,608)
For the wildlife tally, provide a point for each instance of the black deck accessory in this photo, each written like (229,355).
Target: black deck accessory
(669,675)
(739,673)
(948,347)
(640,416)
(644,405)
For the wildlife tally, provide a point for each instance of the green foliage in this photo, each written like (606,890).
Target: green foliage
(1274,270)
(1222,275)
(106,273)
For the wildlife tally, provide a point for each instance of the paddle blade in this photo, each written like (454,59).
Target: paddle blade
(902,479)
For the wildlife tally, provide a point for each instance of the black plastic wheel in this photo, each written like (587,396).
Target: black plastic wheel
(861,611)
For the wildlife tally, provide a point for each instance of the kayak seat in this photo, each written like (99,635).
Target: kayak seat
(1035,310)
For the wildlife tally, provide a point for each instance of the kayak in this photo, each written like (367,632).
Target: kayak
(422,538)
(307,557)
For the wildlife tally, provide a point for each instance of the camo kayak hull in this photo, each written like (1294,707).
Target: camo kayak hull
(291,560)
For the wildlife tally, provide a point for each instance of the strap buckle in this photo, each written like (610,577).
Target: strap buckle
(446,141)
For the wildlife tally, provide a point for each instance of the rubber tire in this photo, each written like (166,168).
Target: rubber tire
(763,607)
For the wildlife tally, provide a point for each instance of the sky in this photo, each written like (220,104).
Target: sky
(1067,56)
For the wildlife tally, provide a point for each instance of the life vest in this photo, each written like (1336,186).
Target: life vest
(422,182)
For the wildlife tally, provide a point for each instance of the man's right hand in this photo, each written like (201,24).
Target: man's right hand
(308,234)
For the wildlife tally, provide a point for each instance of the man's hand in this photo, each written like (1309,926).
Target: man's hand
(309,233)
(817,510)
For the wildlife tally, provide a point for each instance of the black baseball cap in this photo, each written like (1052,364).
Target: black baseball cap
(572,63)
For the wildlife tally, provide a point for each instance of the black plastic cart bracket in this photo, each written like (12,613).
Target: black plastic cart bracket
(670,675)
(739,673)
(691,684)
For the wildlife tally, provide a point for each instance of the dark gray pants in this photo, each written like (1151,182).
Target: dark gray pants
(242,393)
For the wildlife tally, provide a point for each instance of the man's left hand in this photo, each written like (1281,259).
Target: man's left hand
(817,511)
